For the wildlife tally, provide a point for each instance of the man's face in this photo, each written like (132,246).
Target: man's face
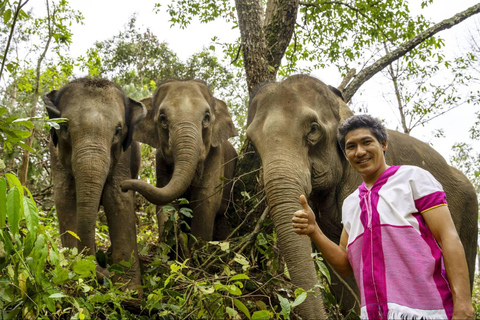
(365,153)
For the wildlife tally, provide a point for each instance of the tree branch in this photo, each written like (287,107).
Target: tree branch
(12,29)
(280,19)
(404,48)
(351,73)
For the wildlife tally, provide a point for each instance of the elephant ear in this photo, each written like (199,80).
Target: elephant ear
(343,112)
(135,112)
(146,131)
(223,127)
(53,112)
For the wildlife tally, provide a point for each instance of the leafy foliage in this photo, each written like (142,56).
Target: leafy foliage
(41,280)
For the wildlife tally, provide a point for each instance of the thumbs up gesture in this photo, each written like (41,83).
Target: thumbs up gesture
(303,221)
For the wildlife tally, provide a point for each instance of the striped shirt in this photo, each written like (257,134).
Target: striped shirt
(396,261)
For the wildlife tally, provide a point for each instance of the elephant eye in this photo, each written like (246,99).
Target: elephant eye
(163,120)
(118,130)
(314,134)
(64,128)
(206,119)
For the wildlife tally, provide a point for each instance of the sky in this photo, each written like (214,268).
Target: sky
(106,18)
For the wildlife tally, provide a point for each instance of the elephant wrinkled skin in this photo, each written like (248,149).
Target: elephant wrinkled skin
(293,126)
(190,129)
(91,154)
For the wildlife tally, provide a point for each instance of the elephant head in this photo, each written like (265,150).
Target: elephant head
(293,126)
(100,126)
(184,121)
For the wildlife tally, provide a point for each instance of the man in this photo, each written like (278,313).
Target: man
(398,237)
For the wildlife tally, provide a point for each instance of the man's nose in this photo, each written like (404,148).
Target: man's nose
(360,151)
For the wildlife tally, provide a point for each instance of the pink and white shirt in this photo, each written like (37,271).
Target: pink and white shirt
(396,261)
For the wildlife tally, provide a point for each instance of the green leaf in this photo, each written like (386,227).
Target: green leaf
(40,253)
(73,234)
(25,146)
(299,299)
(25,122)
(13,180)
(3,202)
(13,209)
(31,215)
(239,304)
(7,15)
(285,304)
(261,315)
(232,313)
(233,289)
(60,275)
(85,268)
(183,201)
(239,277)
(324,270)
(187,212)
(116,268)
(57,295)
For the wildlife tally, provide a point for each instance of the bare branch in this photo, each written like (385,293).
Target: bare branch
(404,48)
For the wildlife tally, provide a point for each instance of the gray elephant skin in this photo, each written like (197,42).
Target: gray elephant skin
(293,126)
(91,154)
(194,159)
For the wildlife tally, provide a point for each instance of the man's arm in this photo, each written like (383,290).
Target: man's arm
(336,255)
(440,223)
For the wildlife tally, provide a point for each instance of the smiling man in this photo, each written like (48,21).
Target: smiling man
(399,239)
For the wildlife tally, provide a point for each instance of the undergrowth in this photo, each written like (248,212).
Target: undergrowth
(240,278)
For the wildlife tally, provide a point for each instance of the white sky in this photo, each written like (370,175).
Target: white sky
(106,18)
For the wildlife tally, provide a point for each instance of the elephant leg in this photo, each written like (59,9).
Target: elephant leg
(164,174)
(120,211)
(208,196)
(203,220)
(65,202)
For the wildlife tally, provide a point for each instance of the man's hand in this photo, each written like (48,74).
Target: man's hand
(303,221)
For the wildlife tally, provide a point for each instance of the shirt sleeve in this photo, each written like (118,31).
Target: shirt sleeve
(427,191)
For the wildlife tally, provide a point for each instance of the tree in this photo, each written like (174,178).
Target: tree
(137,60)
(52,34)
(425,91)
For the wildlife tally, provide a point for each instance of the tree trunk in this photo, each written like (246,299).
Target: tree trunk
(280,19)
(250,21)
(26,154)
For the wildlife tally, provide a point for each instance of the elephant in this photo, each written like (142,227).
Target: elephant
(90,155)
(194,159)
(292,125)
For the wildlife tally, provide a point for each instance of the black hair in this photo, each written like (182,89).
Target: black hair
(361,121)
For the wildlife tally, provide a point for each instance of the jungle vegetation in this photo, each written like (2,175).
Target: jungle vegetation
(244,276)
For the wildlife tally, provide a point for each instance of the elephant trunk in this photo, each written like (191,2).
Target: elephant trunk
(186,146)
(283,187)
(89,188)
